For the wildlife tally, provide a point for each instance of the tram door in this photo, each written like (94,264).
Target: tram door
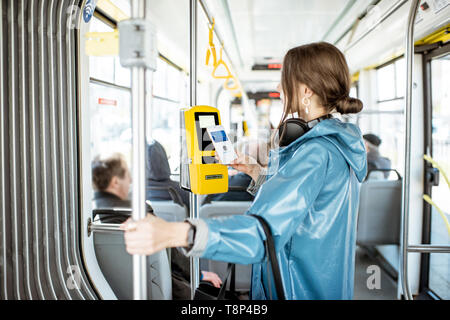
(439,100)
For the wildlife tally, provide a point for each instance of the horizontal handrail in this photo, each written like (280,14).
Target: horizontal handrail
(102,227)
(428,248)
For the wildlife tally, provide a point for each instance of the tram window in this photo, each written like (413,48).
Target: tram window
(110,101)
(390,128)
(107,68)
(439,272)
(110,120)
(391,80)
(174,83)
(400,77)
(354,91)
(122,76)
(165,128)
(386,82)
(385,118)
(170,93)
(160,79)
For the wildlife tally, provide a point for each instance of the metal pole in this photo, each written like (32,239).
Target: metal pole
(138,176)
(429,248)
(409,54)
(193,198)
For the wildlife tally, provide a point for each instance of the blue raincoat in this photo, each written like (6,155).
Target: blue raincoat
(311,204)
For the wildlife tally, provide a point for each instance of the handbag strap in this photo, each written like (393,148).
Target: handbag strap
(270,248)
(230,273)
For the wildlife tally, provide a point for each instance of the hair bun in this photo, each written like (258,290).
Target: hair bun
(349,105)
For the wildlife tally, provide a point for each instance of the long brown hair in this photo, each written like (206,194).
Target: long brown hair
(323,69)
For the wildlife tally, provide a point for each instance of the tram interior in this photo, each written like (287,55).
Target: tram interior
(250,38)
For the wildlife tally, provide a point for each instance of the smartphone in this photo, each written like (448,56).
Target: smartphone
(222,144)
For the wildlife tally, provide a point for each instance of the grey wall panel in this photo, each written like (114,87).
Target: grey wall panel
(39,218)
(3,266)
(34,150)
(14,173)
(24,148)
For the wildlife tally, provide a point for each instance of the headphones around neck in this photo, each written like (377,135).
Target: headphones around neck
(293,128)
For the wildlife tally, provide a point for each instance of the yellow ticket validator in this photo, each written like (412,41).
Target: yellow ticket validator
(200,171)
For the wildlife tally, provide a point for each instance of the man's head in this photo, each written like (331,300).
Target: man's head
(111,174)
(371,141)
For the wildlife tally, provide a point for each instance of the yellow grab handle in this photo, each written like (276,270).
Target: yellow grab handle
(211,33)
(234,84)
(209,51)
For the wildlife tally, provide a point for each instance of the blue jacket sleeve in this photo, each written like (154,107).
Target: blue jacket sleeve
(283,201)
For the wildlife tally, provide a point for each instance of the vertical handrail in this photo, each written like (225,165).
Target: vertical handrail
(409,54)
(138,128)
(193,198)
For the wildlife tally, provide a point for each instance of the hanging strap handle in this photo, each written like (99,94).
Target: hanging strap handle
(270,249)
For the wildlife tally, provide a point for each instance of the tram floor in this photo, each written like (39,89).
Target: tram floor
(387,289)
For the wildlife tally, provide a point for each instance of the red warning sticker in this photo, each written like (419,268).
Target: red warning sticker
(107,102)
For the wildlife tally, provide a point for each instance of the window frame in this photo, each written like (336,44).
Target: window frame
(386,64)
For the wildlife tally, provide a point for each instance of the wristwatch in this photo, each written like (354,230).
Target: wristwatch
(191,235)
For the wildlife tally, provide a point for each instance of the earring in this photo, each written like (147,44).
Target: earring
(306,102)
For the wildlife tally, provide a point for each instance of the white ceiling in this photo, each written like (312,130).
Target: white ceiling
(268,28)
(262,28)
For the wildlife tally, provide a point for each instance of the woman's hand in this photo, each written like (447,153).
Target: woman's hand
(247,165)
(213,278)
(152,234)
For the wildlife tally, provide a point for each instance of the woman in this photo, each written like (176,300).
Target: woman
(310,201)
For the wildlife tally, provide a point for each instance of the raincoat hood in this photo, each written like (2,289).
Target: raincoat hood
(346,137)
(157,168)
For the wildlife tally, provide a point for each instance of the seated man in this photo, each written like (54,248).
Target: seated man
(374,158)
(111,179)
(158,175)
(257,150)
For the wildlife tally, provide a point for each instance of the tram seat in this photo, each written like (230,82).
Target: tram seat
(117,266)
(170,210)
(216,209)
(379,211)
(376,175)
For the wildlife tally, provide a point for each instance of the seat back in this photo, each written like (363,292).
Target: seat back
(379,212)
(223,208)
(169,210)
(217,209)
(117,265)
